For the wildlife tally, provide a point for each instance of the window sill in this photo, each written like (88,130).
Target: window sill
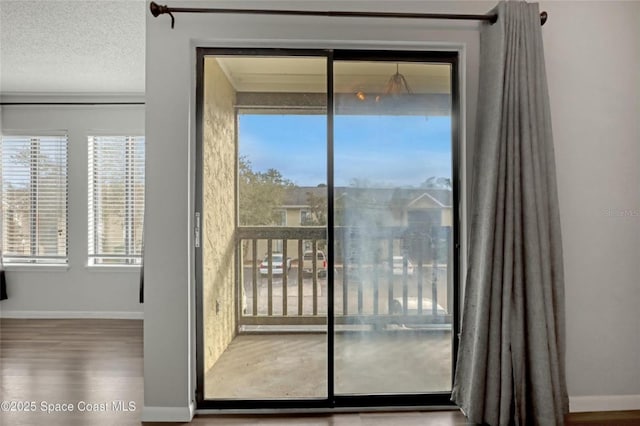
(28,267)
(113,268)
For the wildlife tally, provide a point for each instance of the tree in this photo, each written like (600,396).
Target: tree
(260,194)
(434,182)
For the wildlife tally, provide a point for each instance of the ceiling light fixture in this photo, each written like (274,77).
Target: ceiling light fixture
(397,84)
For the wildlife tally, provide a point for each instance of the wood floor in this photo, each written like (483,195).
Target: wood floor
(100,361)
(69,361)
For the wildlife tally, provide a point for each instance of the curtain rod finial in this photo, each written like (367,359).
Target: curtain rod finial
(157,10)
(543,17)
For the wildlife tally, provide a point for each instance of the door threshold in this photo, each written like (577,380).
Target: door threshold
(311,411)
(322,329)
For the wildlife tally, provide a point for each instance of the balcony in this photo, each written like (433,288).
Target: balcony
(397,285)
(392,313)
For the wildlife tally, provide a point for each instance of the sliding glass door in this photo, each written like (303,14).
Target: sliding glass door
(264,189)
(326,200)
(393,208)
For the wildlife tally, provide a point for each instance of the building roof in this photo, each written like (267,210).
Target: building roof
(396,197)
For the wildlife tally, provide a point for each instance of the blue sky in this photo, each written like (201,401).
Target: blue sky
(385,150)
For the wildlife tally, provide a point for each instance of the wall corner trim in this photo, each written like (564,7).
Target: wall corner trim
(579,404)
(168,414)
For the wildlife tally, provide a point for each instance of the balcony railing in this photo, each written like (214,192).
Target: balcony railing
(382,276)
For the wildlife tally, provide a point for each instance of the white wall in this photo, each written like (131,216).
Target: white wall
(169,300)
(593,65)
(76,291)
(592,54)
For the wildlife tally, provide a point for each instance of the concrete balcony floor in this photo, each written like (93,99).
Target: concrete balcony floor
(294,365)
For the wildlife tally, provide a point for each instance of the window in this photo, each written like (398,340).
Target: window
(305,217)
(281,216)
(116,199)
(34,199)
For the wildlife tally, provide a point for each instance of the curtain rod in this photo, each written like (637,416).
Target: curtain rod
(157,10)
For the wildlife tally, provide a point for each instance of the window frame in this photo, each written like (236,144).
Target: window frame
(305,215)
(34,261)
(451,55)
(283,218)
(130,259)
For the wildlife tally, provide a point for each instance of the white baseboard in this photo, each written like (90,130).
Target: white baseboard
(71,314)
(168,414)
(578,404)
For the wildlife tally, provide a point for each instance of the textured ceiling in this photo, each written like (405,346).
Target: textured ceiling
(98,47)
(76,46)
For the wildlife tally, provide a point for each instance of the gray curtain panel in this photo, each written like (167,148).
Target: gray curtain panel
(511,367)
(3,286)
(141,282)
(3,280)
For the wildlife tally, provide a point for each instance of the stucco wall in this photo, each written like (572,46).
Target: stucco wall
(218,219)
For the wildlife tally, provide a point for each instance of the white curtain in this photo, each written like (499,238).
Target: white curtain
(511,367)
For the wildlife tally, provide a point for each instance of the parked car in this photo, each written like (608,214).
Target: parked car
(321,263)
(276,264)
(398,266)
(412,306)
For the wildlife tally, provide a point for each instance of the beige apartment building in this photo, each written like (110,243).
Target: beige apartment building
(411,209)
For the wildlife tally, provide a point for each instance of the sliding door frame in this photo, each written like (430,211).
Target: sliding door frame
(332,401)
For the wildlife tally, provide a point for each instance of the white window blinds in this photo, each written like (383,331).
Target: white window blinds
(116,199)
(34,199)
